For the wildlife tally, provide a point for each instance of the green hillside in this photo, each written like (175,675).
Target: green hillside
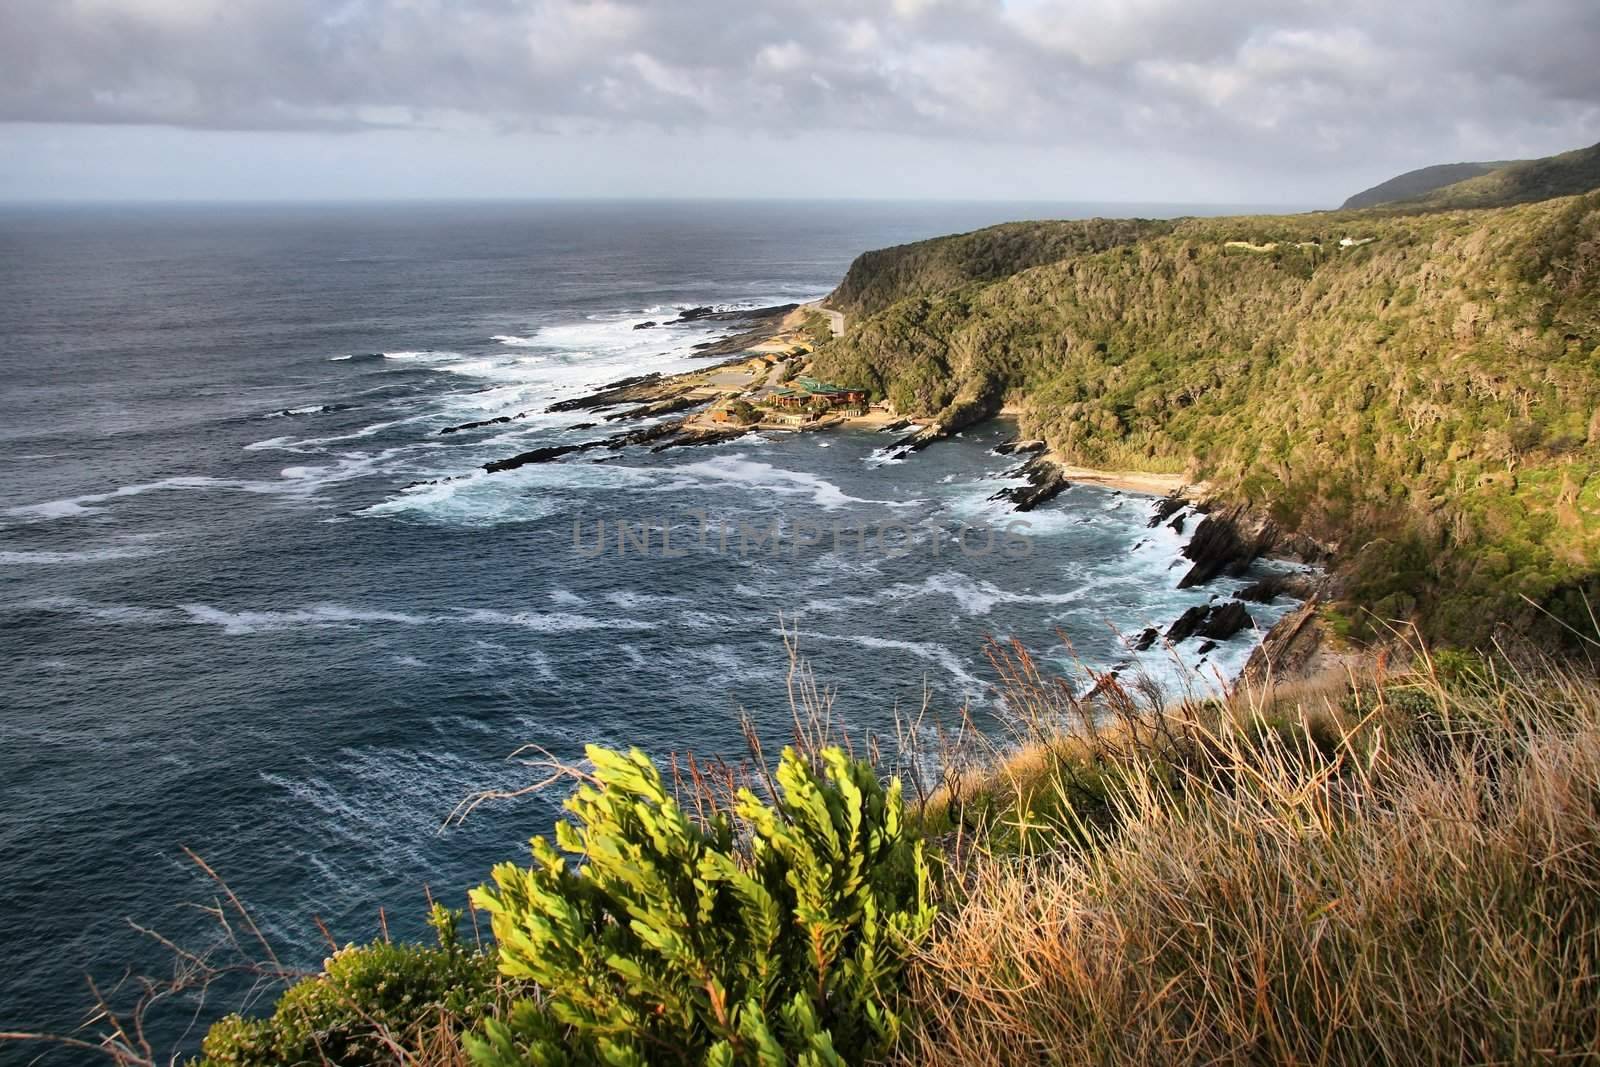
(926,268)
(1426,402)
(1568,174)
(1414,183)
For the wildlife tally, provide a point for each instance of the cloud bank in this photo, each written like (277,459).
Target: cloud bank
(1242,83)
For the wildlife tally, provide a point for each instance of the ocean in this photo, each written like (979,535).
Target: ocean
(232,621)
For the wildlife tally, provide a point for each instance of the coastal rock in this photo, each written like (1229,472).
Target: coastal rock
(1009,448)
(1268,589)
(647,324)
(1145,639)
(1288,650)
(1188,624)
(695,314)
(1226,619)
(645,435)
(483,422)
(1207,648)
(690,438)
(628,390)
(1165,508)
(661,407)
(1176,525)
(1225,542)
(1045,482)
(537,455)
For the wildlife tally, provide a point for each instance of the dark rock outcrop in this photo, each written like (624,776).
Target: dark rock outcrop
(1226,619)
(1145,639)
(1270,588)
(1165,508)
(1226,542)
(537,455)
(621,392)
(1289,648)
(1009,448)
(1188,624)
(667,406)
(483,422)
(1045,482)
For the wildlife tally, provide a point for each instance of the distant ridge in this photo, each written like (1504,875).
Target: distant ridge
(1453,186)
(1569,174)
(1415,183)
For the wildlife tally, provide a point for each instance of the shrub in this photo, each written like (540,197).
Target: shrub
(368,1005)
(773,934)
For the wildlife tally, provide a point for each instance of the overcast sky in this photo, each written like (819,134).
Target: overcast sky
(1191,101)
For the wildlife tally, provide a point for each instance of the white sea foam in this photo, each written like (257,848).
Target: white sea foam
(552,622)
(477,499)
(90,555)
(237,623)
(736,470)
(929,651)
(114,613)
(296,481)
(513,341)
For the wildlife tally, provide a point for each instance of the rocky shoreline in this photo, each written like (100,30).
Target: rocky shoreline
(1227,538)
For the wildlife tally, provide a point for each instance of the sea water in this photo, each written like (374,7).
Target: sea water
(253,603)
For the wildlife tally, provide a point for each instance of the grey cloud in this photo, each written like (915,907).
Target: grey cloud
(1247,79)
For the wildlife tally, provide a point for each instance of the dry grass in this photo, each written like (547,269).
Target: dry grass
(1406,873)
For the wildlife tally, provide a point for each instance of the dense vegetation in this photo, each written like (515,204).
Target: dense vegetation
(877,279)
(758,935)
(1426,402)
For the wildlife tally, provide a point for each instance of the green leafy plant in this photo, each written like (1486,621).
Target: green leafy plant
(368,1006)
(771,934)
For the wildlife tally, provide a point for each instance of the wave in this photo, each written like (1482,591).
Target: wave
(301,481)
(92,555)
(112,613)
(553,622)
(513,341)
(737,470)
(929,651)
(314,409)
(237,623)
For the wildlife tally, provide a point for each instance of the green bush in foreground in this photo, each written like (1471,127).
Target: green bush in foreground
(771,935)
(368,1002)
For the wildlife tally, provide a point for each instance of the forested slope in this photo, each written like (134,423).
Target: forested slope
(1426,400)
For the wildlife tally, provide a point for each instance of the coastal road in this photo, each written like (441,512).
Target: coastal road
(835,318)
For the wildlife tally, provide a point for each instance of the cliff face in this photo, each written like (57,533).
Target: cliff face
(1427,398)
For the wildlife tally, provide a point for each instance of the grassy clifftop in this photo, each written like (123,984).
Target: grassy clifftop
(1427,400)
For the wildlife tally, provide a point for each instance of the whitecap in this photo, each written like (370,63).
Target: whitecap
(92,555)
(237,623)
(551,622)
